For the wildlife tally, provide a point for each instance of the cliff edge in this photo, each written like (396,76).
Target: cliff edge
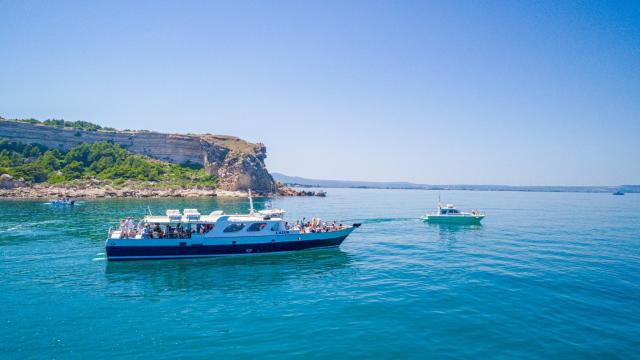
(238,164)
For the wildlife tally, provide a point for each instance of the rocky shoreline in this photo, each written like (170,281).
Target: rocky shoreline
(91,189)
(47,192)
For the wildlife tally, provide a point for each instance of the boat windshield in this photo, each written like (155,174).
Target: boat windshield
(449,211)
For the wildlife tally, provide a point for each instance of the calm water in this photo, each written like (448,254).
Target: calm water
(547,275)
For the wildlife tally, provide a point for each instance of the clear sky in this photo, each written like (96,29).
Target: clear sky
(482,92)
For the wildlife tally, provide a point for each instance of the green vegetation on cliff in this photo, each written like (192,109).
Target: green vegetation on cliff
(101,160)
(60,123)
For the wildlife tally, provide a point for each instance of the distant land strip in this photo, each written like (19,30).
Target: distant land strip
(305,182)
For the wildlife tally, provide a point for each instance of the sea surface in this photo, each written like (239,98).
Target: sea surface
(546,275)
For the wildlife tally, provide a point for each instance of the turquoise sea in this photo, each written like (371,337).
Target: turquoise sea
(547,275)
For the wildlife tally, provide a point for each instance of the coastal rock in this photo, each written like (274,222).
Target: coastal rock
(287,191)
(238,164)
(8,182)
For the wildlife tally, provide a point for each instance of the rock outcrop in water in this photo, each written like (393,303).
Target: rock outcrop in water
(8,182)
(238,164)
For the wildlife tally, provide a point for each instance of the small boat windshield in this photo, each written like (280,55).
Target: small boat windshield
(449,211)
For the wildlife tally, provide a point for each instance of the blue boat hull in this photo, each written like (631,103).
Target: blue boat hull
(119,253)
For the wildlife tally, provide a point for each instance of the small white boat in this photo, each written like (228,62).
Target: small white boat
(272,213)
(62,202)
(266,213)
(450,215)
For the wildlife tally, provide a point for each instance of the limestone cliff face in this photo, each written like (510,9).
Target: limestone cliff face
(238,164)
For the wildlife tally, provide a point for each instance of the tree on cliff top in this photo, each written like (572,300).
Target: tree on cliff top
(61,123)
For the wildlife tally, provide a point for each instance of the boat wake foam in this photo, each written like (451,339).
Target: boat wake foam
(376,220)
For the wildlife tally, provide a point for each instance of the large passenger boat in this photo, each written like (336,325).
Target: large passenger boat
(189,234)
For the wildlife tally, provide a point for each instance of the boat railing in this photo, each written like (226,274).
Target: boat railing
(155,232)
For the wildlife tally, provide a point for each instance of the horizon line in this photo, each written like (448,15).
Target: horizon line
(451,184)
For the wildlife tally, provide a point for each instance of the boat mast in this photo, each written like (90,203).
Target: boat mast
(251,211)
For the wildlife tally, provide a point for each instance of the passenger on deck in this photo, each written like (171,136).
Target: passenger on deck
(145,231)
(129,224)
(157,232)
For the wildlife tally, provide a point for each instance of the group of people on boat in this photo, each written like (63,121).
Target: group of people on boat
(314,226)
(170,232)
(129,230)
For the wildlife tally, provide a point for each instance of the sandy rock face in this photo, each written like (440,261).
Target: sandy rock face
(8,182)
(238,164)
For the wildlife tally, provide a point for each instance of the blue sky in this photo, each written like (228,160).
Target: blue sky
(519,93)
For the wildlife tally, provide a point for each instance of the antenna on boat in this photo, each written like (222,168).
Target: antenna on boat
(251,211)
(149,210)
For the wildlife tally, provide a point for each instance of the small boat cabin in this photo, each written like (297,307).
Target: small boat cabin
(449,210)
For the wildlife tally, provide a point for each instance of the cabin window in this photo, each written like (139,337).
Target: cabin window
(234,228)
(454,211)
(275,227)
(257,227)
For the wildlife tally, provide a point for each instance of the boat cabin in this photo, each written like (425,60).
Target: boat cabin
(192,223)
(446,211)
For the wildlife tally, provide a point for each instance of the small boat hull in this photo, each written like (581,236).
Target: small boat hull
(149,249)
(462,220)
(62,203)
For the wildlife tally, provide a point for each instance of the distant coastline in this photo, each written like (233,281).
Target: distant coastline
(297,181)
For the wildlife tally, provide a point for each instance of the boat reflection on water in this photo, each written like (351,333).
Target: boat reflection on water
(452,228)
(451,233)
(158,278)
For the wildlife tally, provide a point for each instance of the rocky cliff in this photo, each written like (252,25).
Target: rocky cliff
(238,164)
